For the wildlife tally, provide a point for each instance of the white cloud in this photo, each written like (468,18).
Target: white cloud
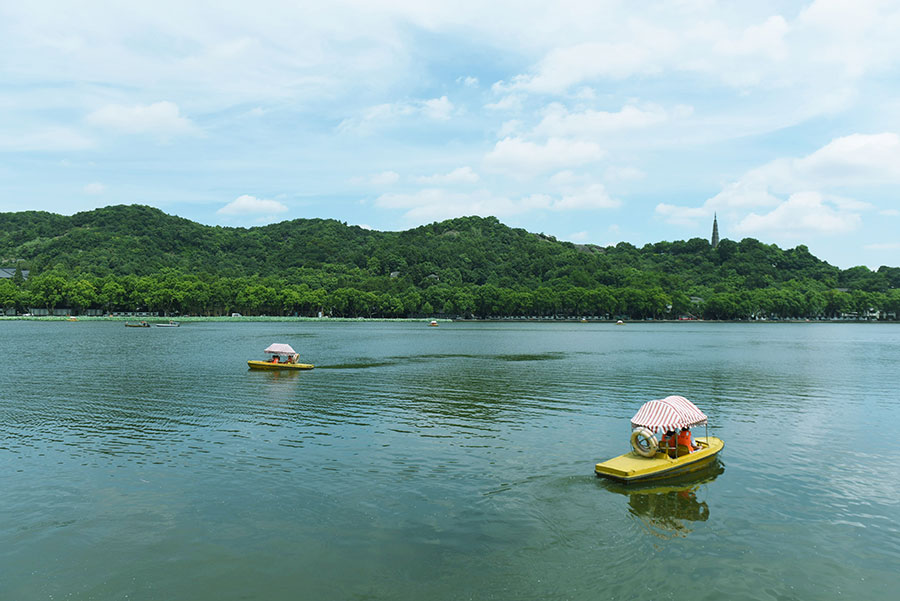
(559,122)
(48,139)
(883,246)
(435,203)
(461,175)
(809,185)
(580,192)
(750,191)
(94,188)
(592,197)
(510,129)
(618,75)
(383,115)
(766,39)
(524,158)
(567,179)
(854,160)
(385,178)
(805,57)
(287,53)
(802,212)
(162,119)
(564,67)
(578,236)
(850,204)
(250,205)
(686,216)
(375,117)
(861,36)
(857,158)
(510,102)
(623,174)
(437,108)
(890,212)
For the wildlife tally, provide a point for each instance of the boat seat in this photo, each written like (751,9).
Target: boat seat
(682,451)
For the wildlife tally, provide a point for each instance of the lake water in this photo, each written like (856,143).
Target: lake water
(443,463)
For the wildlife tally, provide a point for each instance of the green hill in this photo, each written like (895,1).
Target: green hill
(459,266)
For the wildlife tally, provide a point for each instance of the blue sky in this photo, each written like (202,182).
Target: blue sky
(596,121)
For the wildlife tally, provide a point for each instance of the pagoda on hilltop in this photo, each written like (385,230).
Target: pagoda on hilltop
(715,235)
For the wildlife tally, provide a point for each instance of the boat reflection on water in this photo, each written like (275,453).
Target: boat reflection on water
(667,509)
(275,375)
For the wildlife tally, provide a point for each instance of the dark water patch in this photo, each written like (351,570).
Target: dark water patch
(360,365)
(531,357)
(449,356)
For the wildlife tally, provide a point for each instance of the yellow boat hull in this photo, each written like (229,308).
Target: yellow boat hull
(632,467)
(269,365)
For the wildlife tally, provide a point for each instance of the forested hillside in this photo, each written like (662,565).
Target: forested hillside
(139,258)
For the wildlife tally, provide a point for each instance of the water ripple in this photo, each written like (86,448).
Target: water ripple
(458,461)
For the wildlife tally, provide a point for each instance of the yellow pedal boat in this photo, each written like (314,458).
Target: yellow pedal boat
(647,461)
(279,365)
(632,467)
(283,357)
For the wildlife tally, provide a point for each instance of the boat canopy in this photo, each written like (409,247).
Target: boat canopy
(281,349)
(670,413)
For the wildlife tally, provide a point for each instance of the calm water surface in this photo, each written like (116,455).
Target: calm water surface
(443,463)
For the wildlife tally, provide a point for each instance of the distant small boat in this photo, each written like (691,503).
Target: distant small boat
(142,324)
(433,324)
(283,357)
(620,323)
(171,324)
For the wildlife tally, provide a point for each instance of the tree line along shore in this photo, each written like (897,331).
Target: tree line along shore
(179,294)
(133,259)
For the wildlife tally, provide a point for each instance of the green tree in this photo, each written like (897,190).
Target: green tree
(48,289)
(9,294)
(837,302)
(81,294)
(722,305)
(389,305)
(18,279)
(463,302)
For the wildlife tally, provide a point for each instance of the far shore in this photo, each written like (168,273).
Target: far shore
(266,318)
(199,318)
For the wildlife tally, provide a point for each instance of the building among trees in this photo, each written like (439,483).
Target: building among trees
(17,274)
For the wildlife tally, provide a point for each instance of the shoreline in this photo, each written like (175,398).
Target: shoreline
(188,319)
(276,319)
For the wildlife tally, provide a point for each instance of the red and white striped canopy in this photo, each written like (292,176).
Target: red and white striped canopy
(670,413)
